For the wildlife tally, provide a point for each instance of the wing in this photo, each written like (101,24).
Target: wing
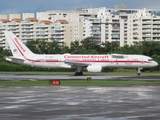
(76,64)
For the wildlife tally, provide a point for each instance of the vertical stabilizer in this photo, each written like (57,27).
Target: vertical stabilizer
(18,49)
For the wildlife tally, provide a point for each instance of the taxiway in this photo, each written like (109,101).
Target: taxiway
(72,77)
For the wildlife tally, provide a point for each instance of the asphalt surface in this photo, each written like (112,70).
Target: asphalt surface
(72,77)
(80,103)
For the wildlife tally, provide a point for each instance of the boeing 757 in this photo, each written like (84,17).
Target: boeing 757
(91,62)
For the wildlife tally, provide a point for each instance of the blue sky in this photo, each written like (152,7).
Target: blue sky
(24,6)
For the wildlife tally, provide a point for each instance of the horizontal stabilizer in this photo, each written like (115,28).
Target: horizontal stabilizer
(14,60)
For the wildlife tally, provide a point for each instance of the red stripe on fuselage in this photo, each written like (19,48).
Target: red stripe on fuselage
(114,61)
(101,61)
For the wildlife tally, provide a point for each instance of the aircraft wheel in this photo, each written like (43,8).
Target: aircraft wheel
(80,73)
(76,73)
(138,74)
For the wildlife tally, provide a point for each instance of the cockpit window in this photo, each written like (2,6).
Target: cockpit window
(150,59)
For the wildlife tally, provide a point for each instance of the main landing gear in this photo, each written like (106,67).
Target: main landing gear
(139,71)
(79,71)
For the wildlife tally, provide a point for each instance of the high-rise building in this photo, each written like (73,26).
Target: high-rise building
(126,26)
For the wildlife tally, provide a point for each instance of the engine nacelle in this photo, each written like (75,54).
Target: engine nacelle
(94,68)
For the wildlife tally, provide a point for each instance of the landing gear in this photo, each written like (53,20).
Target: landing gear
(139,71)
(79,71)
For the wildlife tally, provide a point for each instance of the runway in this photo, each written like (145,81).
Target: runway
(80,103)
(72,77)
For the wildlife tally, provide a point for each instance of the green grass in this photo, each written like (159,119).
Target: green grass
(106,83)
(78,83)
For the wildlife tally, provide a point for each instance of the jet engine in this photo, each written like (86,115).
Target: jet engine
(94,68)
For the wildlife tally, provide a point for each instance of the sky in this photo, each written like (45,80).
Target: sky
(33,6)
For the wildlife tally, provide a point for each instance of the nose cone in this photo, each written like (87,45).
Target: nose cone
(155,64)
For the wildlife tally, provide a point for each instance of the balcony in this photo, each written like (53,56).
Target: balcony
(27,37)
(58,29)
(59,33)
(156,21)
(156,26)
(2,28)
(26,29)
(115,28)
(41,37)
(156,30)
(2,35)
(2,45)
(96,21)
(2,41)
(135,30)
(135,38)
(135,35)
(58,37)
(26,26)
(96,28)
(115,21)
(146,26)
(40,29)
(96,35)
(146,35)
(156,38)
(96,25)
(41,33)
(146,38)
(156,35)
(60,41)
(96,32)
(135,20)
(146,22)
(27,34)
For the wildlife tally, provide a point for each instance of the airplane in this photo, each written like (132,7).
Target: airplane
(90,62)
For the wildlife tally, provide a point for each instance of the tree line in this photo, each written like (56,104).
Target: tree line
(86,46)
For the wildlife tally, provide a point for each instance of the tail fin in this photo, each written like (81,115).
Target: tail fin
(18,49)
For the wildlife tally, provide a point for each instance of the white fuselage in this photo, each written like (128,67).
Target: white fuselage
(59,61)
(93,63)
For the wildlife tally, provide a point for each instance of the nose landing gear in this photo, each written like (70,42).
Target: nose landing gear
(139,71)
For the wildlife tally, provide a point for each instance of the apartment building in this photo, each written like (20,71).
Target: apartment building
(124,25)
(127,26)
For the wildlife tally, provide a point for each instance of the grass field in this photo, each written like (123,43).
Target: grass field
(81,82)
(78,83)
